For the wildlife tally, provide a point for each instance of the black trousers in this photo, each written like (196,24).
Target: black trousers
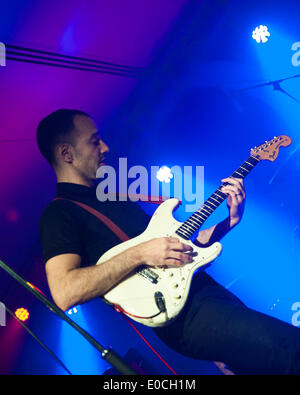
(216,326)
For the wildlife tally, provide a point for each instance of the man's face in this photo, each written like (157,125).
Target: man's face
(89,149)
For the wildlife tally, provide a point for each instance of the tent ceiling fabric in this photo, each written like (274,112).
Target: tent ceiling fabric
(124,32)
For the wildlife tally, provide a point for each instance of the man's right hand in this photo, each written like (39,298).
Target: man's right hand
(164,251)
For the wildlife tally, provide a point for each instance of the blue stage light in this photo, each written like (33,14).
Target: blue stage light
(261,34)
(73,310)
(164,174)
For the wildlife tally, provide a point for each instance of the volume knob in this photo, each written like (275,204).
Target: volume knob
(177,296)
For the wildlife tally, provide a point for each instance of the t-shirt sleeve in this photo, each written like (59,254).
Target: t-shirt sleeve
(59,231)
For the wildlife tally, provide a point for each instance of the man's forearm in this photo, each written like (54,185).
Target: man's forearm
(84,284)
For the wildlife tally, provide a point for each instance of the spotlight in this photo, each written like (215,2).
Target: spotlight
(260,34)
(74,310)
(22,314)
(164,174)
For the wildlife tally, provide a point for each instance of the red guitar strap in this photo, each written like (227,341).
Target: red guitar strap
(109,223)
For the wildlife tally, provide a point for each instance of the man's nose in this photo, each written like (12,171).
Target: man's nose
(103,147)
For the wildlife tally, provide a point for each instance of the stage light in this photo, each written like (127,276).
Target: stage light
(260,34)
(22,314)
(164,174)
(73,310)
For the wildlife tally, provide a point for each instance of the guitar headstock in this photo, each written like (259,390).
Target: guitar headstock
(269,150)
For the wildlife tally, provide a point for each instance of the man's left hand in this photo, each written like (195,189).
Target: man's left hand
(236,198)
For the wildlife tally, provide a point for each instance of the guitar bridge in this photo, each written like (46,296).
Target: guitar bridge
(148,274)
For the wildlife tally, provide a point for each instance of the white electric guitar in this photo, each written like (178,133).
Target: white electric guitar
(154,296)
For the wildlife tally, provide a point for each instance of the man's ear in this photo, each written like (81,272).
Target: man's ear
(64,152)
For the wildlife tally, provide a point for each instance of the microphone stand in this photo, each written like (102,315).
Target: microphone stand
(106,353)
(275,84)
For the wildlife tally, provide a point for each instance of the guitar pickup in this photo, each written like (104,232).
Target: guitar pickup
(148,274)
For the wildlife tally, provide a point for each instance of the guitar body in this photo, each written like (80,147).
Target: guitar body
(154,296)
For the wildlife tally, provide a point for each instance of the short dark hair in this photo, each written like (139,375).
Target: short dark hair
(54,129)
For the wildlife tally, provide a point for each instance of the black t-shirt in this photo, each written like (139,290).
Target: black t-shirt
(66,227)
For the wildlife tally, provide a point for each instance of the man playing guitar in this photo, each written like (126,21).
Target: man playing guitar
(214,324)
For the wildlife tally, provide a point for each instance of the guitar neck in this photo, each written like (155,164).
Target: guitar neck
(196,220)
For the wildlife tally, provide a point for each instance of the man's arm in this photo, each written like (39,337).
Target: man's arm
(71,284)
(235,203)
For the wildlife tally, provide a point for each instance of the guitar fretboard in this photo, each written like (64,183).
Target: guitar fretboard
(196,220)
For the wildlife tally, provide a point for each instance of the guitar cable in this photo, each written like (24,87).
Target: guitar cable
(119,309)
(146,341)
